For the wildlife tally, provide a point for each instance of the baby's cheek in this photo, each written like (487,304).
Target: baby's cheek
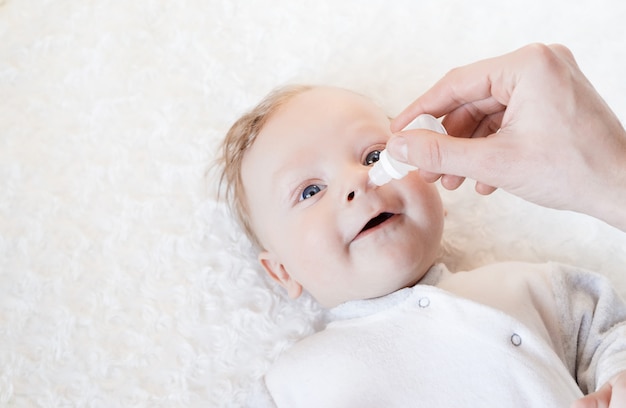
(419,194)
(309,240)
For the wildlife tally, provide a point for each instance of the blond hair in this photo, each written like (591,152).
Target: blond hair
(238,140)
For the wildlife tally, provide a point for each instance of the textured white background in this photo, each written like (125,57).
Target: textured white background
(122,281)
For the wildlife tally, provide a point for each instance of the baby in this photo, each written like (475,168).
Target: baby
(404,330)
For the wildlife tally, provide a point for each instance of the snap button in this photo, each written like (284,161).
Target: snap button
(424,302)
(516,340)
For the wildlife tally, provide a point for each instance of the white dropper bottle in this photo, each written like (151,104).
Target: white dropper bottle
(387,168)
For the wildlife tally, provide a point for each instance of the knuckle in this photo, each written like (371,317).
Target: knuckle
(562,50)
(434,154)
(546,59)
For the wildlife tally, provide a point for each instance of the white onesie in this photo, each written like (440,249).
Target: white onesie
(508,334)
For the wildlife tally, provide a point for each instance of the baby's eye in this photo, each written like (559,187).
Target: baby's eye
(310,191)
(372,157)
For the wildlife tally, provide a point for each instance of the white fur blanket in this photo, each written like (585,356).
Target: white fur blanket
(123,282)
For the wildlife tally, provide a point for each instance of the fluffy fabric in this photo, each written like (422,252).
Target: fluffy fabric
(123,281)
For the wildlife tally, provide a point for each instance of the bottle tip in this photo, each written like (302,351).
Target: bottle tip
(377,175)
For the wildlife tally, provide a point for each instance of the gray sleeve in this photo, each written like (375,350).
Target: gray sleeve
(593,324)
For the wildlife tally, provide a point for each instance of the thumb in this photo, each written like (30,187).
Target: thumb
(441,154)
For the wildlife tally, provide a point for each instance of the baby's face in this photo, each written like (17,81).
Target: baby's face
(323,227)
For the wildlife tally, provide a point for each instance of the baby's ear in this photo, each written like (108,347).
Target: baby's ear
(277,271)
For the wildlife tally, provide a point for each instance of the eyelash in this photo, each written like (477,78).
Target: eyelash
(367,161)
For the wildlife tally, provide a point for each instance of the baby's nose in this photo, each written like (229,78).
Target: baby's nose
(355,183)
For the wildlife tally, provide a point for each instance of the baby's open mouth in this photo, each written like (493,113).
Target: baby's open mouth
(376,221)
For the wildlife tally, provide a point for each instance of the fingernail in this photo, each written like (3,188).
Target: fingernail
(398,148)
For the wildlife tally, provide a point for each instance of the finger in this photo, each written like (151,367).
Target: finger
(468,84)
(598,399)
(587,402)
(461,122)
(448,94)
(443,154)
(428,176)
(451,182)
(470,122)
(484,189)
(489,125)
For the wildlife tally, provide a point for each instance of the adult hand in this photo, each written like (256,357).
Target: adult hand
(528,122)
